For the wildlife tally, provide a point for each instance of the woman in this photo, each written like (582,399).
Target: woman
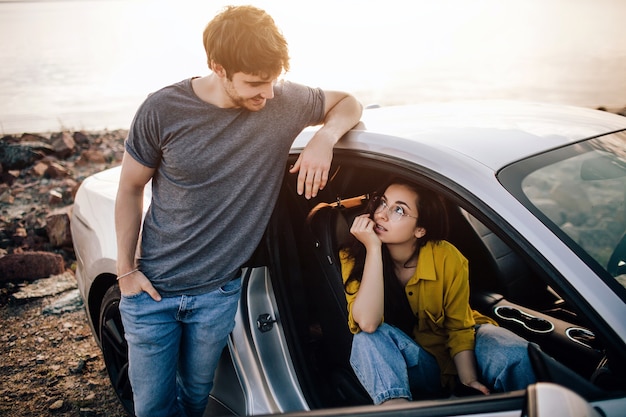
(408,306)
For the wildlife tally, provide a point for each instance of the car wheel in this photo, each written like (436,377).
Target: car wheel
(114,347)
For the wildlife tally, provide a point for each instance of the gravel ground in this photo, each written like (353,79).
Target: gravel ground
(50,364)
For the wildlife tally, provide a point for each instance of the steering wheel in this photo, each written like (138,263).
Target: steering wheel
(617,262)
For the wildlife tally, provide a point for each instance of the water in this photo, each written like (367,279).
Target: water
(88,64)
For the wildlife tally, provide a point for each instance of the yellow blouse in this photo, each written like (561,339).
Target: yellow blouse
(438,294)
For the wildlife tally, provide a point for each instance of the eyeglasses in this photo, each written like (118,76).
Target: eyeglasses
(394,213)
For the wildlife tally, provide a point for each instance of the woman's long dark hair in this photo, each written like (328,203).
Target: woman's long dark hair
(432,216)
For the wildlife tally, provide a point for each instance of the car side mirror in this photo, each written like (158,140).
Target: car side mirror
(545,399)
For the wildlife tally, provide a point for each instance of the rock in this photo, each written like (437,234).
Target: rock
(6,197)
(46,287)
(19,236)
(55,197)
(31,137)
(71,185)
(63,144)
(88,412)
(50,169)
(22,155)
(91,156)
(81,138)
(58,229)
(39,169)
(30,266)
(79,368)
(6,177)
(56,170)
(57,405)
(68,303)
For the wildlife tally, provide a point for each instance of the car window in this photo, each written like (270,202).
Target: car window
(579,191)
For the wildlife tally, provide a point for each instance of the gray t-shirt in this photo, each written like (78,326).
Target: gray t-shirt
(218,172)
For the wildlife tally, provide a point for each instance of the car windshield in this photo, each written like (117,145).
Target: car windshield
(579,191)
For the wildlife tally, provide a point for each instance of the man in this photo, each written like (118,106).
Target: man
(215,148)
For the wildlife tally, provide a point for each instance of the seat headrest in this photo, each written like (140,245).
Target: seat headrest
(338,216)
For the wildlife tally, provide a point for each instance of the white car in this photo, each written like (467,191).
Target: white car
(536,196)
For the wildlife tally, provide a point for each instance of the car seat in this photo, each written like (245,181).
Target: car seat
(329,226)
(513,279)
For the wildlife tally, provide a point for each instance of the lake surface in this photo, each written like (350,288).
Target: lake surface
(88,64)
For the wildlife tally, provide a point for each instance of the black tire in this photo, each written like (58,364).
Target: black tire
(114,347)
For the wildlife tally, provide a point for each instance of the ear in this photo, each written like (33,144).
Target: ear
(419,232)
(218,69)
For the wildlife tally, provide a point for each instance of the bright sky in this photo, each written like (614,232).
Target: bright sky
(370,44)
(89,63)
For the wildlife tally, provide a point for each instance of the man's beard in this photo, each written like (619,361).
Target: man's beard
(252,104)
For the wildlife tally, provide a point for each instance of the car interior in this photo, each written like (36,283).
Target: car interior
(305,236)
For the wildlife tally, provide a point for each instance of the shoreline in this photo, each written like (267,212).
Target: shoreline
(620,110)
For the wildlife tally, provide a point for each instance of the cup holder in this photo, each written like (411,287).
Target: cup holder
(584,337)
(529,322)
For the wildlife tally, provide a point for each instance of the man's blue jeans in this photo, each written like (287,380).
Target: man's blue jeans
(174,346)
(389,364)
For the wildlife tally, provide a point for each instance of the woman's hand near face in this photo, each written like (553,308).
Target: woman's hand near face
(363,230)
(368,306)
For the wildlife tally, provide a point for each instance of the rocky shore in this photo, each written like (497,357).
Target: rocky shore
(39,176)
(50,364)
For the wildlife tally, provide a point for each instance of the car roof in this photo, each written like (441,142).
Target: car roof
(493,133)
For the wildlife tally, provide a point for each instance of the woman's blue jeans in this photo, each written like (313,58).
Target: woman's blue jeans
(174,346)
(389,364)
